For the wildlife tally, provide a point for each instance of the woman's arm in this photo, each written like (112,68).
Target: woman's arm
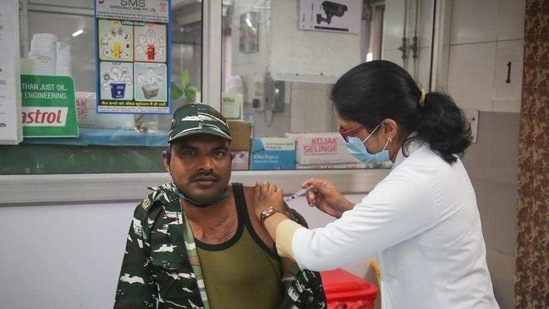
(396,210)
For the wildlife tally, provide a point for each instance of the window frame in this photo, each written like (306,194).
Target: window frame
(25,190)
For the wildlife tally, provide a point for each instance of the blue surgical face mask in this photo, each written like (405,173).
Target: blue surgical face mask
(358,150)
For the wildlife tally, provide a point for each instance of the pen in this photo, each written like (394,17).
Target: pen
(298,193)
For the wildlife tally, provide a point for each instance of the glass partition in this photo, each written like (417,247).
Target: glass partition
(281,57)
(275,75)
(107,143)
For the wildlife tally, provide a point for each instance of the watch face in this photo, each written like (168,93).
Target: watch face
(265,213)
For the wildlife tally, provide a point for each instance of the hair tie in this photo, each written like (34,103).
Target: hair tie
(422,98)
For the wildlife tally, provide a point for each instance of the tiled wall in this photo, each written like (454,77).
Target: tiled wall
(485,36)
(492,166)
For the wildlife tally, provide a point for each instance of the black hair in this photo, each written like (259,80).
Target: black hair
(377,90)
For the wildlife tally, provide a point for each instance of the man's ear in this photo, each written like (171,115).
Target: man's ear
(166,157)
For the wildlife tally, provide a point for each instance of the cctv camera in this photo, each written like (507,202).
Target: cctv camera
(331,9)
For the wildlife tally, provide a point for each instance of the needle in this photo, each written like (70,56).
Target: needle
(298,193)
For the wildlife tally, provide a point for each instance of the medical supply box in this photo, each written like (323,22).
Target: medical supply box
(86,108)
(273,153)
(321,148)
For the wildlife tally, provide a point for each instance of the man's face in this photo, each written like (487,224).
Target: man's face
(200,166)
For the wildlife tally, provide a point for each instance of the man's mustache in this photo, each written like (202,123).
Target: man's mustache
(205,177)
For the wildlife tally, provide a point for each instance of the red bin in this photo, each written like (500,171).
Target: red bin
(347,291)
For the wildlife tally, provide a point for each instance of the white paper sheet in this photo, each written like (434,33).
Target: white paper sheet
(11,131)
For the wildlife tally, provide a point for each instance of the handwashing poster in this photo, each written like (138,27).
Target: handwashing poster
(132,48)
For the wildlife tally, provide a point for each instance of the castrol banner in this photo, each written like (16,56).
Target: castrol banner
(45,116)
(49,106)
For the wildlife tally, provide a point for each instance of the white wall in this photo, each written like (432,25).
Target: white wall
(69,256)
(61,256)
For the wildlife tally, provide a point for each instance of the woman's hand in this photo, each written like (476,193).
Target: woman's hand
(325,196)
(268,195)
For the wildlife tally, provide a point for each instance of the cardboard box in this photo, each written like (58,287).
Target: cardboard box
(321,148)
(241,160)
(273,153)
(232,106)
(241,132)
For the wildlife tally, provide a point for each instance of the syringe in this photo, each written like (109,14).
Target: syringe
(298,193)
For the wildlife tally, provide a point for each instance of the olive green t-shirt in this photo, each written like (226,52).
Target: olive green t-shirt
(242,272)
(241,276)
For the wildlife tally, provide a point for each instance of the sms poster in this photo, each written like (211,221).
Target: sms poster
(133,53)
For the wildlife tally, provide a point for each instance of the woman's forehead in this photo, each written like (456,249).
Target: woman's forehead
(346,123)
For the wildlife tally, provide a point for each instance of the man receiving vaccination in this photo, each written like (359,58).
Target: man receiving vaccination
(196,243)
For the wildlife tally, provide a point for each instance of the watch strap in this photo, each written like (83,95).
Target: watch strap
(266,213)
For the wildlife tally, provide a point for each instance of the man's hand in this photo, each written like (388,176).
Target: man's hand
(268,195)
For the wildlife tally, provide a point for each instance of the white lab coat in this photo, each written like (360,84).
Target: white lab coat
(423,223)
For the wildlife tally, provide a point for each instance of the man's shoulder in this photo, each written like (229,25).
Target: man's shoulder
(249,191)
(160,196)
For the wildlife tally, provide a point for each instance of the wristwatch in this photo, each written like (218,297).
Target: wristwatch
(266,213)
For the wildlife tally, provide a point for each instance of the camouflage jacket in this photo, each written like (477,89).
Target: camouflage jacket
(161,268)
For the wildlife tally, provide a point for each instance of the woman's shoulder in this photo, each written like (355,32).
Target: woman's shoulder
(423,156)
(417,172)
(425,170)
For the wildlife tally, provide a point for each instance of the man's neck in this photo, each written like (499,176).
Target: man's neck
(213,224)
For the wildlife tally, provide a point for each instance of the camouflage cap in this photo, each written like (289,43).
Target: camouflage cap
(198,118)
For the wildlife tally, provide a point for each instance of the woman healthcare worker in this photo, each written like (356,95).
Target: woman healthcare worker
(421,220)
